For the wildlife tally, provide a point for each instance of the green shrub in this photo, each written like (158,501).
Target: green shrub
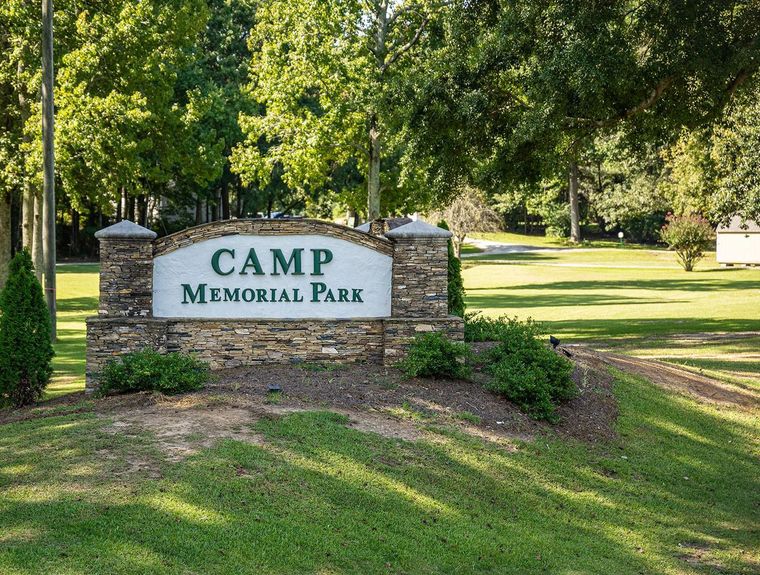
(433,355)
(522,368)
(148,370)
(556,217)
(25,349)
(688,236)
(481,328)
(456,283)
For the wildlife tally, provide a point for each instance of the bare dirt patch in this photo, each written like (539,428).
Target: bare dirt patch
(671,377)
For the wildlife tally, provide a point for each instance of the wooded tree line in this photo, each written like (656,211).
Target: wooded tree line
(176,112)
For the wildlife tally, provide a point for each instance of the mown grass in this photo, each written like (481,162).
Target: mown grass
(77,299)
(618,302)
(677,493)
(540,240)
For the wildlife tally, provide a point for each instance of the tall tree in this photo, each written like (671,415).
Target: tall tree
(324,70)
(520,88)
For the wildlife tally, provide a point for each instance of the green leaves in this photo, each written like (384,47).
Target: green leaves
(25,349)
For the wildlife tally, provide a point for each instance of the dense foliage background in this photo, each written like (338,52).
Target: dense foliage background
(574,116)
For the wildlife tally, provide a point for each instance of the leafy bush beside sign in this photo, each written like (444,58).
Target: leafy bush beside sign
(148,370)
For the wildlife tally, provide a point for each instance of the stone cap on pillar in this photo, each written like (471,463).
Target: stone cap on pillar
(125,230)
(418,229)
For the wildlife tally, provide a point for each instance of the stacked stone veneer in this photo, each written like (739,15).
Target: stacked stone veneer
(125,323)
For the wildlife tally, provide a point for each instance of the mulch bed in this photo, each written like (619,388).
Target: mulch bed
(369,388)
(589,417)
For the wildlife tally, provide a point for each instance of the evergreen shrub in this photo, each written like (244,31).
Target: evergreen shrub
(25,348)
(456,283)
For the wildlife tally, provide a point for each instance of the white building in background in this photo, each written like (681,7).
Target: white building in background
(737,244)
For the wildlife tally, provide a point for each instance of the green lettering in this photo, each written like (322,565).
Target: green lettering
(252,261)
(200,294)
(284,296)
(216,294)
(316,289)
(357,295)
(295,295)
(295,259)
(329,296)
(249,295)
(321,257)
(342,294)
(231,294)
(261,295)
(215,261)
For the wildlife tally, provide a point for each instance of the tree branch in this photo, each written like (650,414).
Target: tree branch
(645,104)
(410,8)
(406,47)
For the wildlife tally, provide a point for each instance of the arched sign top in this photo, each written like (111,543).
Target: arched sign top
(269,227)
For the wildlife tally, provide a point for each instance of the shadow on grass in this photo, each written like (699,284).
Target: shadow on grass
(527,256)
(321,497)
(511,301)
(600,330)
(670,285)
(89,304)
(77,268)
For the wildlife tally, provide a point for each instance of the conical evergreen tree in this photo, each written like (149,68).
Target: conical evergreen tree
(456,283)
(25,349)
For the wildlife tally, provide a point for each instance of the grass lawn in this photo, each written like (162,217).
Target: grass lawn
(542,241)
(591,300)
(77,300)
(677,493)
(634,301)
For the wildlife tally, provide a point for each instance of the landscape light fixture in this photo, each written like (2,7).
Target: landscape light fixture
(273,388)
(620,237)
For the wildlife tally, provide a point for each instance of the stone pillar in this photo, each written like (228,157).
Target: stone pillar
(420,270)
(419,291)
(126,270)
(377,227)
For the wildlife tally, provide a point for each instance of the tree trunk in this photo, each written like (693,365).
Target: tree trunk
(458,246)
(48,162)
(142,210)
(5,237)
(238,200)
(37,251)
(215,209)
(225,192)
(29,192)
(198,211)
(74,242)
(575,220)
(131,208)
(120,205)
(373,179)
(27,217)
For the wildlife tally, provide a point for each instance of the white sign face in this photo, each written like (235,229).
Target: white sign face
(249,276)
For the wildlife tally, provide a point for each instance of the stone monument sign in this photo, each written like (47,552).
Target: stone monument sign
(245,292)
